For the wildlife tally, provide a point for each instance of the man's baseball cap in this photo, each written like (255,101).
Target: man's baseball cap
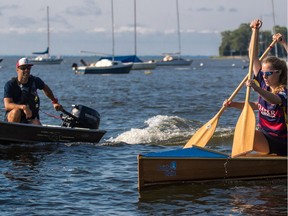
(23,61)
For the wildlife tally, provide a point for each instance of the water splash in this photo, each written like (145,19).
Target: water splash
(158,128)
(166,130)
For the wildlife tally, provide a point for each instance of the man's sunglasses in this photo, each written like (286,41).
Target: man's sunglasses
(24,67)
(269,73)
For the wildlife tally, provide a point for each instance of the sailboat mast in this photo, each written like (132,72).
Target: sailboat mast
(135,29)
(48,30)
(178,27)
(112,14)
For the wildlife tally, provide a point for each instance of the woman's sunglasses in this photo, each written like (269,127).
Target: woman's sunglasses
(269,73)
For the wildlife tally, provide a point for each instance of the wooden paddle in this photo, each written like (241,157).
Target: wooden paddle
(204,134)
(245,128)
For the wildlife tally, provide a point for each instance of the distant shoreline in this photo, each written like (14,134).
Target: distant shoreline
(229,57)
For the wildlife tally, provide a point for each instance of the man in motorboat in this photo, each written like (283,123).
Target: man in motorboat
(21,100)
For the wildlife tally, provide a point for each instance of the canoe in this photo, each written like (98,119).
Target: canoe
(200,164)
(28,133)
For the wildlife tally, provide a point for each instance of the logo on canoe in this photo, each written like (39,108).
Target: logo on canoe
(168,169)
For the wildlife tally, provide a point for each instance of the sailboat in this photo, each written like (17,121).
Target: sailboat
(175,59)
(104,65)
(45,57)
(138,64)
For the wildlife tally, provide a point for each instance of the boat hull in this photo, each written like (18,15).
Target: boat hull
(48,61)
(138,64)
(198,164)
(144,66)
(28,133)
(119,69)
(175,62)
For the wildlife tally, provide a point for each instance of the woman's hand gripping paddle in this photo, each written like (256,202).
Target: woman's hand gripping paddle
(204,134)
(245,128)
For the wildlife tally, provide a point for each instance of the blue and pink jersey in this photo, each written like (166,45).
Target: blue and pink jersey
(272,117)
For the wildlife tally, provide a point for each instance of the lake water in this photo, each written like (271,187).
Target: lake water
(144,111)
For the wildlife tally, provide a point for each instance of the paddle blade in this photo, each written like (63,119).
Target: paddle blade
(244,132)
(203,135)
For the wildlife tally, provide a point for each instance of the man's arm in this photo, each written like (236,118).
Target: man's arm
(48,92)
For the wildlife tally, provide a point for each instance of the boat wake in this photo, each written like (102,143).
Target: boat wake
(167,130)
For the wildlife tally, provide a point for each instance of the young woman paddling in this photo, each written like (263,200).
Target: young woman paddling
(271,85)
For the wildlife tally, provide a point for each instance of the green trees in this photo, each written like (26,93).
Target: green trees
(236,43)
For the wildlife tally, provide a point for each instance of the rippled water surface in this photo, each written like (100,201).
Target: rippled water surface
(144,111)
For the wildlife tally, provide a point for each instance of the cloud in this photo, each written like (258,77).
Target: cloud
(208,31)
(141,30)
(204,9)
(22,22)
(59,20)
(124,29)
(14,31)
(221,9)
(169,31)
(97,30)
(87,8)
(7,8)
(145,31)
(205,31)
(233,10)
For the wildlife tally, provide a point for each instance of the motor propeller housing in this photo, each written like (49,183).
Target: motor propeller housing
(81,116)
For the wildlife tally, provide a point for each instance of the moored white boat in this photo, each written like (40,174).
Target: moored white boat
(138,64)
(45,58)
(103,66)
(175,59)
(169,60)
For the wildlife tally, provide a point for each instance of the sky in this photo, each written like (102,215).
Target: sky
(86,25)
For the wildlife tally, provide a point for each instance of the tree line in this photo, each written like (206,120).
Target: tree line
(236,43)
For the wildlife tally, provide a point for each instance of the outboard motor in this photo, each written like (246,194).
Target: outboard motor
(74,66)
(81,116)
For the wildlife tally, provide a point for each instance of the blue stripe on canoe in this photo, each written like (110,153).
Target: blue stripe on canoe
(194,152)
